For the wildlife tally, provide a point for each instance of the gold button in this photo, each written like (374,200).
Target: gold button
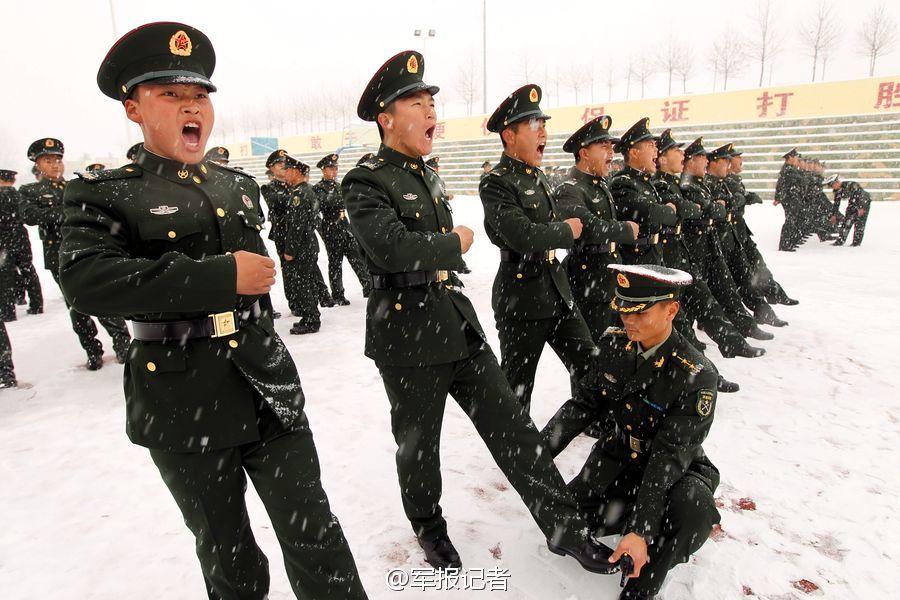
(665,241)
(443,230)
(129,169)
(228,254)
(634,455)
(398,306)
(203,168)
(628,427)
(602,392)
(172,235)
(197,179)
(151,366)
(518,276)
(628,406)
(435,200)
(220,212)
(584,267)
(258,227)
(49,242)
(528,171)
(233,343)
(417,215)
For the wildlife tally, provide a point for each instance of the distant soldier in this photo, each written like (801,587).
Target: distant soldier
(218,155)
(24,276)
(94,167)
(485,169)
(532,300)
(788,193)
(42,206)
(856,213)
(333,227)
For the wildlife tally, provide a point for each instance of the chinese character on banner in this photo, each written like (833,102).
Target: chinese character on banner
(592,112)
(674,111)
(767,100)
(316,142)
(888,94)
(439,130)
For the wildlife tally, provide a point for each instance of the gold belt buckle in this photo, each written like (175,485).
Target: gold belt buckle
(343,214)
(634,443)
(612,247)
(678,229)
(223,324)
(729,217)
(654,239)
(551,254)
(443,276)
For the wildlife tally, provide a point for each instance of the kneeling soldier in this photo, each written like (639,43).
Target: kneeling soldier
(172,242)
(649,480)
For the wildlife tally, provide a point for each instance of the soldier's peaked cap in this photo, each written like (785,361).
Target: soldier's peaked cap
(524,103)
(329,160)
(157,53)
(695,148)
(667,142)
(7,175)
(595,130)
(721,152)
(276,157)
(400,76)
(217,153)
(44,146)
(638,287)
(637,133)
(790,153)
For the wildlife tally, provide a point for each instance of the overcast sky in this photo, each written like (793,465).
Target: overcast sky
(272,55)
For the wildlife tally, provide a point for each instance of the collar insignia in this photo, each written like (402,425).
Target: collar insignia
(164,210)
(410,196)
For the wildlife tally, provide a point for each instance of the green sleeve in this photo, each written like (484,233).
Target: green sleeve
(506,217)
(570,204)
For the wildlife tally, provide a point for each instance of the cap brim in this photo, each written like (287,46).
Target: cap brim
(185,77)
(621,306)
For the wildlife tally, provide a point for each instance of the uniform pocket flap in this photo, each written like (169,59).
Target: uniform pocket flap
(164,229)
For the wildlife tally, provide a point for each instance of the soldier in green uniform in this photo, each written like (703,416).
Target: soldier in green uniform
(761,274)
(584,195)
(24,276)
(42,205)
(735,257)
(93,167)
(856,213)
(485,169)
(301,248)
(699,302)
(276,194)
(423,333)
(636,198)
(649,479)
(339,242)
(219,155)
(172,243)
(532,300)
(788,195)
(325,299)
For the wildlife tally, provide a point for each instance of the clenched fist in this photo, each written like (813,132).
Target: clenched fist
(255,273)
(466,237)
(576,226)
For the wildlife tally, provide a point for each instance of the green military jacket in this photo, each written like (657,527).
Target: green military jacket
(788,188)
(298,224)
(277,197)
(520,214)
(42,205)
(334,212)
(663,410)
(13,235)
(736,186)
(586,197)
(857,198)
(404,224)
(637,200)
(701,237)
(152,242)
(719,190)
(675,251)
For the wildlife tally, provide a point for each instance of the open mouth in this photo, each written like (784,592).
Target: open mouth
(540,150)
(190,135)
(429,134)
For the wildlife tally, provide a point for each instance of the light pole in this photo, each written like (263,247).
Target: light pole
(425,35)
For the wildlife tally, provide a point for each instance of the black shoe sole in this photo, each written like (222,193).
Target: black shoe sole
(606,570)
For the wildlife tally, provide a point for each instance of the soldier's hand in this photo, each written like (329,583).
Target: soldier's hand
(288,257)
(634,546)
(833,219)
(722,202)
(634,228)
(466,237)
(861,212)
(775,202)
(255,273)
(576,225)
(672,206)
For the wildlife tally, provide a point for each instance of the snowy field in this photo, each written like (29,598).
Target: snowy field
(808,452)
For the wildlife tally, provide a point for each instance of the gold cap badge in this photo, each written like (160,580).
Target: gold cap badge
(533,95)
(180,44)
(622,280)
(48,143)
(412,65)
(221,151)
(605,123)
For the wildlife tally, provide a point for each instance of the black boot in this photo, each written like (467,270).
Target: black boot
(303,328)
(120,346)
(727,387)
(35,311)
(630,593)
(769,319)
(745,351)
(326,301)
(592,556)
(758,334)
(440,553)
(341,301)
(95,361)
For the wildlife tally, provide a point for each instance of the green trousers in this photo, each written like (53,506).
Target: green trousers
(209,489)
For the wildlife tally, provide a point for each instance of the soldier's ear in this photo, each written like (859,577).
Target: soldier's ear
(133,111)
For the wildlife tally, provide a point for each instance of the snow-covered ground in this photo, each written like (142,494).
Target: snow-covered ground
(811,440)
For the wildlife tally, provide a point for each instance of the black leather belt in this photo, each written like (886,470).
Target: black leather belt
(650,240)
(215,325)
(632,443)
(389,281)
(595,249)
(668,230)
(516,257)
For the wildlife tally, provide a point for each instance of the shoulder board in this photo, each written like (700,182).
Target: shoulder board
(571,182)
(373,163)
(231,169)
(616,331)
(690,365)
(125,172)
(498,171)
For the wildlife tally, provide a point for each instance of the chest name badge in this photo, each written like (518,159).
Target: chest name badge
(164,210)
(247,201)
(529,192)
(410,196)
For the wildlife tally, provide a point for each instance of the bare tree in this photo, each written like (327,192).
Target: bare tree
(629,74)
(727,57)
(877,36)
(576,78)
(609,78)
(685,67)
(467,76)
(643,70)
(670,57)
(525,68)
(819,32)
(763,46)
